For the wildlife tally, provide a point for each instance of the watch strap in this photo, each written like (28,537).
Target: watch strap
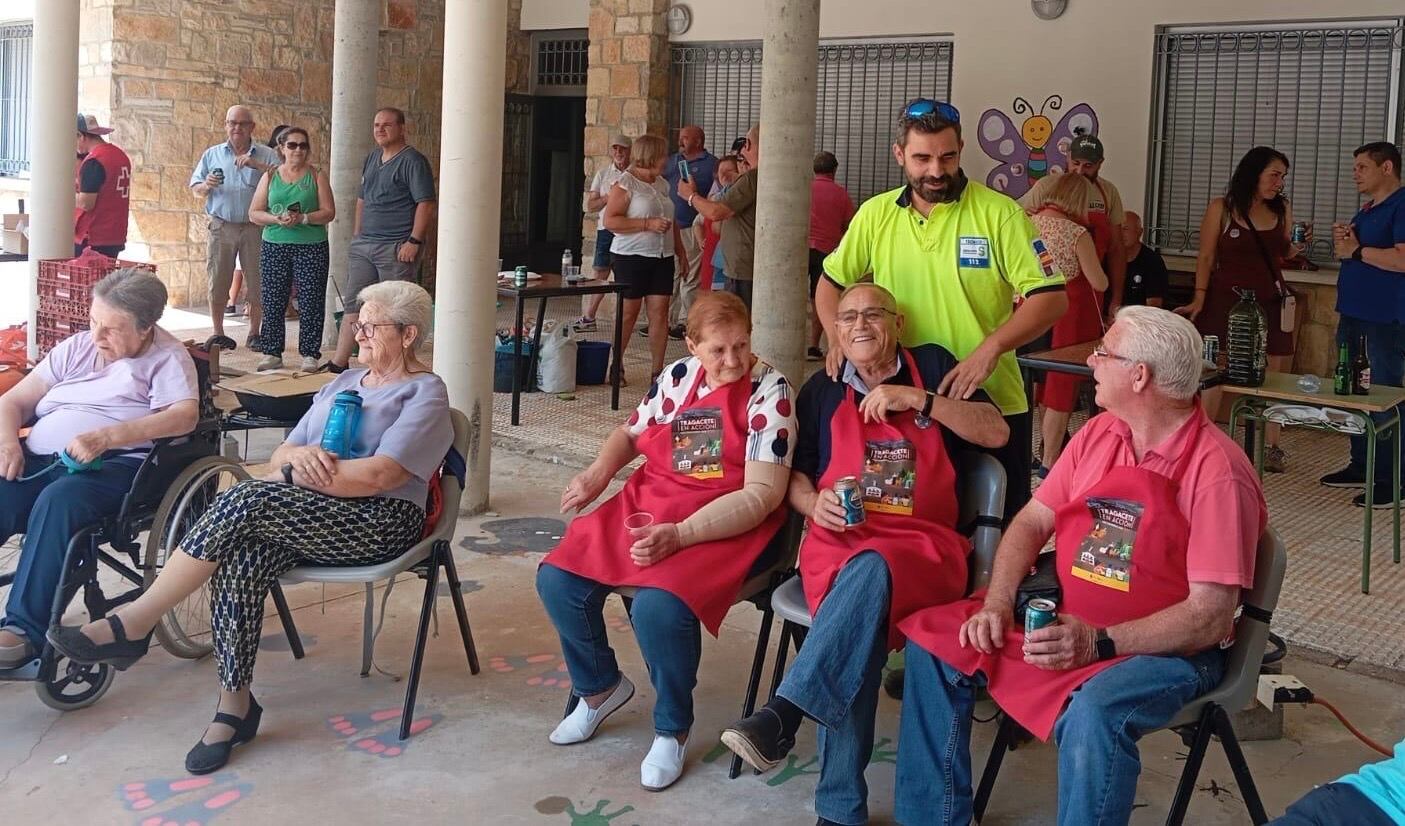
(1356,253)
(413,240)
(288,472)
(927,404)
(1106,648)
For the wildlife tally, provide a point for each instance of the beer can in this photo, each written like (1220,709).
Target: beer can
(1212,349)
(1039,613)
(218,173)
(848,490)
(1299,235)
(519,277)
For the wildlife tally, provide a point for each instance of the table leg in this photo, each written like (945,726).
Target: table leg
(1395,483)
(516,359)
(1370,503)
(617,357)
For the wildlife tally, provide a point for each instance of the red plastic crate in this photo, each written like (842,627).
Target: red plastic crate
(53,328)
(73,310)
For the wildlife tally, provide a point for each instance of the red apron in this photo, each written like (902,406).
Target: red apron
(909,490)
(1100,224)
(1082,321)
(690,461)
(1120,554)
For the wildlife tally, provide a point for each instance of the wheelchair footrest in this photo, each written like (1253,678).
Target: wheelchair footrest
(29,672)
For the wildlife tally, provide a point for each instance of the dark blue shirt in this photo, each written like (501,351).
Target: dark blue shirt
(701,170)
(1367,292)
(821,397)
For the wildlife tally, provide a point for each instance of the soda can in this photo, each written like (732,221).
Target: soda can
(1212,349)
(848,490)
(1039,613)
(519,277)
(1299,235)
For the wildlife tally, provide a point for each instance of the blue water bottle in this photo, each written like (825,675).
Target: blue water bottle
(339,435)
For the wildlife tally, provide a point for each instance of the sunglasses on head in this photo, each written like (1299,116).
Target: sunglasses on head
(926,108)
(296,145)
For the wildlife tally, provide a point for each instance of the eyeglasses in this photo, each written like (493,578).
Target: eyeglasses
(872,315)
(368,328)
(1102,352)
(296,145)
(238,123)
(926,108)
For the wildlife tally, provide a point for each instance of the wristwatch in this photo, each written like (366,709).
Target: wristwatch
(1356,253)
(288,473)
(1105,646)
(413,240)
(927,405)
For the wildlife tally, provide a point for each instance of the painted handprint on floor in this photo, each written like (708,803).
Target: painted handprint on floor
(193,801)
(556,805)
(793,768)
(540,670)
(883,754)
(378,732)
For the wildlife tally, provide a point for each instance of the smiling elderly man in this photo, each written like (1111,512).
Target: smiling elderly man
(883,426)
(1155,515)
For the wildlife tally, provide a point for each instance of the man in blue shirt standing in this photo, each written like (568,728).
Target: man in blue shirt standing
(702,167)
(226,177)
(1371,295)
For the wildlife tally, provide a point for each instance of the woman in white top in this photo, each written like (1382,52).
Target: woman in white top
(639,212)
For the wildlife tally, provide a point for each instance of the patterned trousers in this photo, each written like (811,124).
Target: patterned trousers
(258,531)
(280,265)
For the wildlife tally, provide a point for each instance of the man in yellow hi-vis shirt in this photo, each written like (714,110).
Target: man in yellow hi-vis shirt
(955,254)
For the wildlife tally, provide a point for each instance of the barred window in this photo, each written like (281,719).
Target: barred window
(862,85)
(561,63)
(15,46)
(1315,92)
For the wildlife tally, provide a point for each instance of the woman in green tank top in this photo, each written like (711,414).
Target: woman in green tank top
(293,204)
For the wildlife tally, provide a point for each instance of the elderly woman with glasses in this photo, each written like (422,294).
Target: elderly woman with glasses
(316,508)
(114,387)
(294,205)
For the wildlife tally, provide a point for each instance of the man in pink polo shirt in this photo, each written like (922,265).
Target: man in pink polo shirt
(831,210)
(1156,515)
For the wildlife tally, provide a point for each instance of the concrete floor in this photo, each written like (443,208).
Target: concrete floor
(327,748)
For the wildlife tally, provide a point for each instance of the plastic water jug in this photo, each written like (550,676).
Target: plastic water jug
(339,435)
(1247,348)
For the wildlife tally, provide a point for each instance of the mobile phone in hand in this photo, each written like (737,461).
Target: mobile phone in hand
(683,170)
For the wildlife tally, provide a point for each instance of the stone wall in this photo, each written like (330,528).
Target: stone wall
(1315,348)
(166,70)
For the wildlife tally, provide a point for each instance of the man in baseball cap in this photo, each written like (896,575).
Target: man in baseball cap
(104,179)
(595,196)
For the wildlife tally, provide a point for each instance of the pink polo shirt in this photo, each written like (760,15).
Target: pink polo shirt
(1220,495)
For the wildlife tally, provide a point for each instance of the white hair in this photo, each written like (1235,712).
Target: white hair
(1168,344)
(404,302)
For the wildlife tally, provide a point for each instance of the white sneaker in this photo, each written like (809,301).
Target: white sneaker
(269,363)
(309,364)
(581,723)
(663,765)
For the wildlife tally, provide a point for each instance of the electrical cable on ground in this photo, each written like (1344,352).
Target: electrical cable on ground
(1353,729)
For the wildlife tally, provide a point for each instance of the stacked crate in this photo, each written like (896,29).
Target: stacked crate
(66,294)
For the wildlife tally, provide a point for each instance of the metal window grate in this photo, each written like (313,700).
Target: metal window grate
(561,62)
(862,85)
(1314,93)
(16,44)
(516,170)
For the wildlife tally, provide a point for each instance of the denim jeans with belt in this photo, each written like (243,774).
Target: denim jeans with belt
(835,681)
(669,635)
(1385,347)
(49,510)
(1097,735)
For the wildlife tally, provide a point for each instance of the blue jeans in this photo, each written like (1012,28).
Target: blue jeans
(1335,804)
(835,681)
(1385,347)
(669,636)
(49,510)
(1097,735)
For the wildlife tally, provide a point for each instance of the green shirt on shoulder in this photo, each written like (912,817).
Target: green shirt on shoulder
(281,196)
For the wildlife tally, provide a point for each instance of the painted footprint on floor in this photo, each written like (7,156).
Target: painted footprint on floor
(541,670)
(198,800)
(556,805)
(378,732)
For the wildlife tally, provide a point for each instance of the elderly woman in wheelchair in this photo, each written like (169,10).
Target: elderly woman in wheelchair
(317,507)
(96,402)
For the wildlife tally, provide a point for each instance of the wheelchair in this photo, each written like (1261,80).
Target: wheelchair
(176,483)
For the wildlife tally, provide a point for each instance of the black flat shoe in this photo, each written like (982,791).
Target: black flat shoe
(758,740)
(209,757)
(71,642)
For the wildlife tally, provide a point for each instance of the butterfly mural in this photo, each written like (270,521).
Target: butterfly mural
(1037,147)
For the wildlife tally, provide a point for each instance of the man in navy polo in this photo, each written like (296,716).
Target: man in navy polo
(1371,295)
(702,167)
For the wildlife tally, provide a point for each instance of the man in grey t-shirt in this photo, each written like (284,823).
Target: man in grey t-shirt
(393,211)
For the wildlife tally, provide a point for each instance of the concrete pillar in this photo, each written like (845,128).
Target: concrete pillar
(470,209)
(354,71)
(53,102)
(781,285)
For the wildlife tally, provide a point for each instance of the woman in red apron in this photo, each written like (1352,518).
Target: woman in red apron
(860,580)
(715,432)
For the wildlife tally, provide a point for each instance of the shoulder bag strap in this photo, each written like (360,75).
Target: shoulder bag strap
(1274,271)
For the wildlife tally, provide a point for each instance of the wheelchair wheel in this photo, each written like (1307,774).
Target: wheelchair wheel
(185,630)
(73,686)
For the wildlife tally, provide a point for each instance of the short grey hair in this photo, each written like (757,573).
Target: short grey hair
(404,303)
(138,293)
(1168,344)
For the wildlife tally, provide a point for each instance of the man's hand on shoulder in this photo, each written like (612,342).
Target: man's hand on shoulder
(971,372)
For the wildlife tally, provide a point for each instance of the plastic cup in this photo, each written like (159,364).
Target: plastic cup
(638,521)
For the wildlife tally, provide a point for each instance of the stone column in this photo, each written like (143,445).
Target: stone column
(470,209)
(53,102)
(781,283)
(354,59)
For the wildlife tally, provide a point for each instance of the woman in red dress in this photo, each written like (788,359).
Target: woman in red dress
(717,433)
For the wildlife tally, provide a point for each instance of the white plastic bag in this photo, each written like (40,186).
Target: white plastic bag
(556,367)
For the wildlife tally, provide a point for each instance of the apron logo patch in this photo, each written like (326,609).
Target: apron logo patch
(889,476)
(697,443)
(1105,554)
(1046,258)
(974,251)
